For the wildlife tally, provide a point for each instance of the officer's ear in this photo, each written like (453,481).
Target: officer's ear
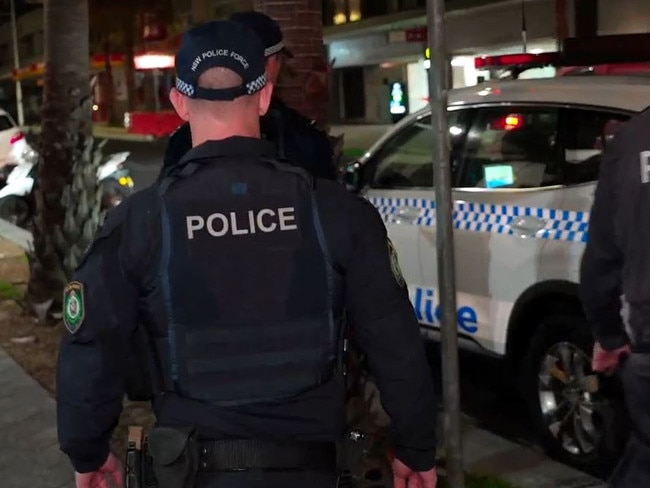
(179,102)
(265,98)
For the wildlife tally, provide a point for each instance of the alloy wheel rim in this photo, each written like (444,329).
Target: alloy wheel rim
(567,399)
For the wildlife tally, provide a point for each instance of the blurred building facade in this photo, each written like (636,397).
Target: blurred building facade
(377,47)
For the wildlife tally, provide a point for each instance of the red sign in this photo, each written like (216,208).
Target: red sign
(417,34)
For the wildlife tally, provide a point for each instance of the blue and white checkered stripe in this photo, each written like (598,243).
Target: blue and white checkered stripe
(564,225)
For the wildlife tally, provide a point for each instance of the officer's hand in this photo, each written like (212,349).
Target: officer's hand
(607,362)
(405,477)
(99,479)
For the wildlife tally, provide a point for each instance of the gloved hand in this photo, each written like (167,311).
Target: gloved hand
(98,479)
(607,362)
(405,477)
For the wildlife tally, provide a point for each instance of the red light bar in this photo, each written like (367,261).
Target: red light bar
(524,59)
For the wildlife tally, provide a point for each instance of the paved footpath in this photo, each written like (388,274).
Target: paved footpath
(29,450)
(30,456)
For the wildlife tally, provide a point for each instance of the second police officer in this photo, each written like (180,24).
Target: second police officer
(241,269)
(296,139)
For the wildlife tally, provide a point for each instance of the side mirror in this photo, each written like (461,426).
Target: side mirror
(351,176)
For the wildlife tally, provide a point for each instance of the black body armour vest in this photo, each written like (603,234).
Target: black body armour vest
(253,308)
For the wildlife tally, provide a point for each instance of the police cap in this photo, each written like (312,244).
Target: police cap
(220,44)
(266,29)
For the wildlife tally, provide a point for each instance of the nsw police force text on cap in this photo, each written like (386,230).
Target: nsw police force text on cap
(218,52)
(265,220)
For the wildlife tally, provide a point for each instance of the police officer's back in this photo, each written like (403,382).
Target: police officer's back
(241,270)
(296,138)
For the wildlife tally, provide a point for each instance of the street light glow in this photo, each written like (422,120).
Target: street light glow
(153,61)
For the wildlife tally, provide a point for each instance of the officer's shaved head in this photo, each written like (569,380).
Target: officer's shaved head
(219,78)
(213,120)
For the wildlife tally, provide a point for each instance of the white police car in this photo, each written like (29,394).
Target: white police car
(525,158)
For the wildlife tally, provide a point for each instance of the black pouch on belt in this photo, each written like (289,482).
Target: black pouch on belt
(174,453)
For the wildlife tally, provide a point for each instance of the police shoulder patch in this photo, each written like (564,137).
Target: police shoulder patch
(73,306)
(394,264)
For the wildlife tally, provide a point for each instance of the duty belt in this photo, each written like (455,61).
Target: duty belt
(244,454)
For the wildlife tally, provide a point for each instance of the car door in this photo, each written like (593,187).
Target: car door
(509,153)
(585,133)
(398,181)
(400,184)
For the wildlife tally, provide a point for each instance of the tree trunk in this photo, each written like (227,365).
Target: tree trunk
(65,191)
(302,25)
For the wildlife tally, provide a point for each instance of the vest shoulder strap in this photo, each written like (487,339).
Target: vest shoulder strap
(177,174)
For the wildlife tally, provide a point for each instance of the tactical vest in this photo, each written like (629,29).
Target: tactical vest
(253,305)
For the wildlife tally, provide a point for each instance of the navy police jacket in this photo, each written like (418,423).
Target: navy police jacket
(262,277)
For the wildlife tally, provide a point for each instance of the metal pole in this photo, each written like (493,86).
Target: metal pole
(438,81)
(524,34)
(19,87)
(156,89)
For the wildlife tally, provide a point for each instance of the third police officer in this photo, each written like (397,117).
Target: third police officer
(241,270)
(616,265)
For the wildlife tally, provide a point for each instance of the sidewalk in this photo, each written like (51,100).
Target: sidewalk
(29,451)
(30,456)
(19,236)
(487,453)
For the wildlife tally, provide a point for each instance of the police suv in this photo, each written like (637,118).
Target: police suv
(525,158)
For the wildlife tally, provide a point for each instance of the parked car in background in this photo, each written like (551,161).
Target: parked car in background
(525,158)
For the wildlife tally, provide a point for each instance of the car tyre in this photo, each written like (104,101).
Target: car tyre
(16,210)
(555,335)
(113,193)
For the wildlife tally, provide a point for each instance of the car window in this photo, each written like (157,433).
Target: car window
(511,147)
(406,159)
(5,123)
(586,134)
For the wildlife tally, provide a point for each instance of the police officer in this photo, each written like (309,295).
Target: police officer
(616,263)
(241,269)
(296,138)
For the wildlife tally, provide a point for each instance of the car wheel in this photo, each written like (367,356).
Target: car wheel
(578,416)
(113,193)
(15,210)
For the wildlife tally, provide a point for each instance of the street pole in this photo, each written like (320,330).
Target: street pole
(19,87)
(438,81)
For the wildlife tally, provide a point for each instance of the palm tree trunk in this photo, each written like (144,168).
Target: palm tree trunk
(65,189)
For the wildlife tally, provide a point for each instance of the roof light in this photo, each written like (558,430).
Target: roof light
(507,60)
(16,137)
